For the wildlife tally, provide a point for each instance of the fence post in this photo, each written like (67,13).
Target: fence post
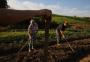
(46,41)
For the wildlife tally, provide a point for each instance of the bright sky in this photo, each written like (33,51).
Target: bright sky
(61,7)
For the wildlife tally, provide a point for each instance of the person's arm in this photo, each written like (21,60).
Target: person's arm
(62,33)
(29,29)
(29,32)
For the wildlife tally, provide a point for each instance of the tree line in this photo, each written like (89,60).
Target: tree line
(3,4)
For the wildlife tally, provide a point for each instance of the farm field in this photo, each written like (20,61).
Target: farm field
(56,54)
(44,30)
(78,36)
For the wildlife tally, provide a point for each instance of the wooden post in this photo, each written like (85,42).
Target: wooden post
(46,41)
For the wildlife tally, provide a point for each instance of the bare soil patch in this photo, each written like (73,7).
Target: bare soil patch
(62,53)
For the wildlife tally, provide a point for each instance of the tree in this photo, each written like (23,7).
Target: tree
(3,4)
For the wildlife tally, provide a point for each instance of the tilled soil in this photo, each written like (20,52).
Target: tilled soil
(62,53)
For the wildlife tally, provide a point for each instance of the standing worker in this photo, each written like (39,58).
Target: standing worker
(32,31)
(60,31)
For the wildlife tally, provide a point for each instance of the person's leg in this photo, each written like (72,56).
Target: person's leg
(33,39)
(32,42)
(29,43)
(58,38)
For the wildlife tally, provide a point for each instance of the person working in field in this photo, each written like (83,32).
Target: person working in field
(60,31)
(32,31)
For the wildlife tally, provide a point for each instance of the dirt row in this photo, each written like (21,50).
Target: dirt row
(62,53)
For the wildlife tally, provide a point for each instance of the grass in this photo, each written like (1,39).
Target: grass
(5,34)
(70,33)
(71,20)
(18,36)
